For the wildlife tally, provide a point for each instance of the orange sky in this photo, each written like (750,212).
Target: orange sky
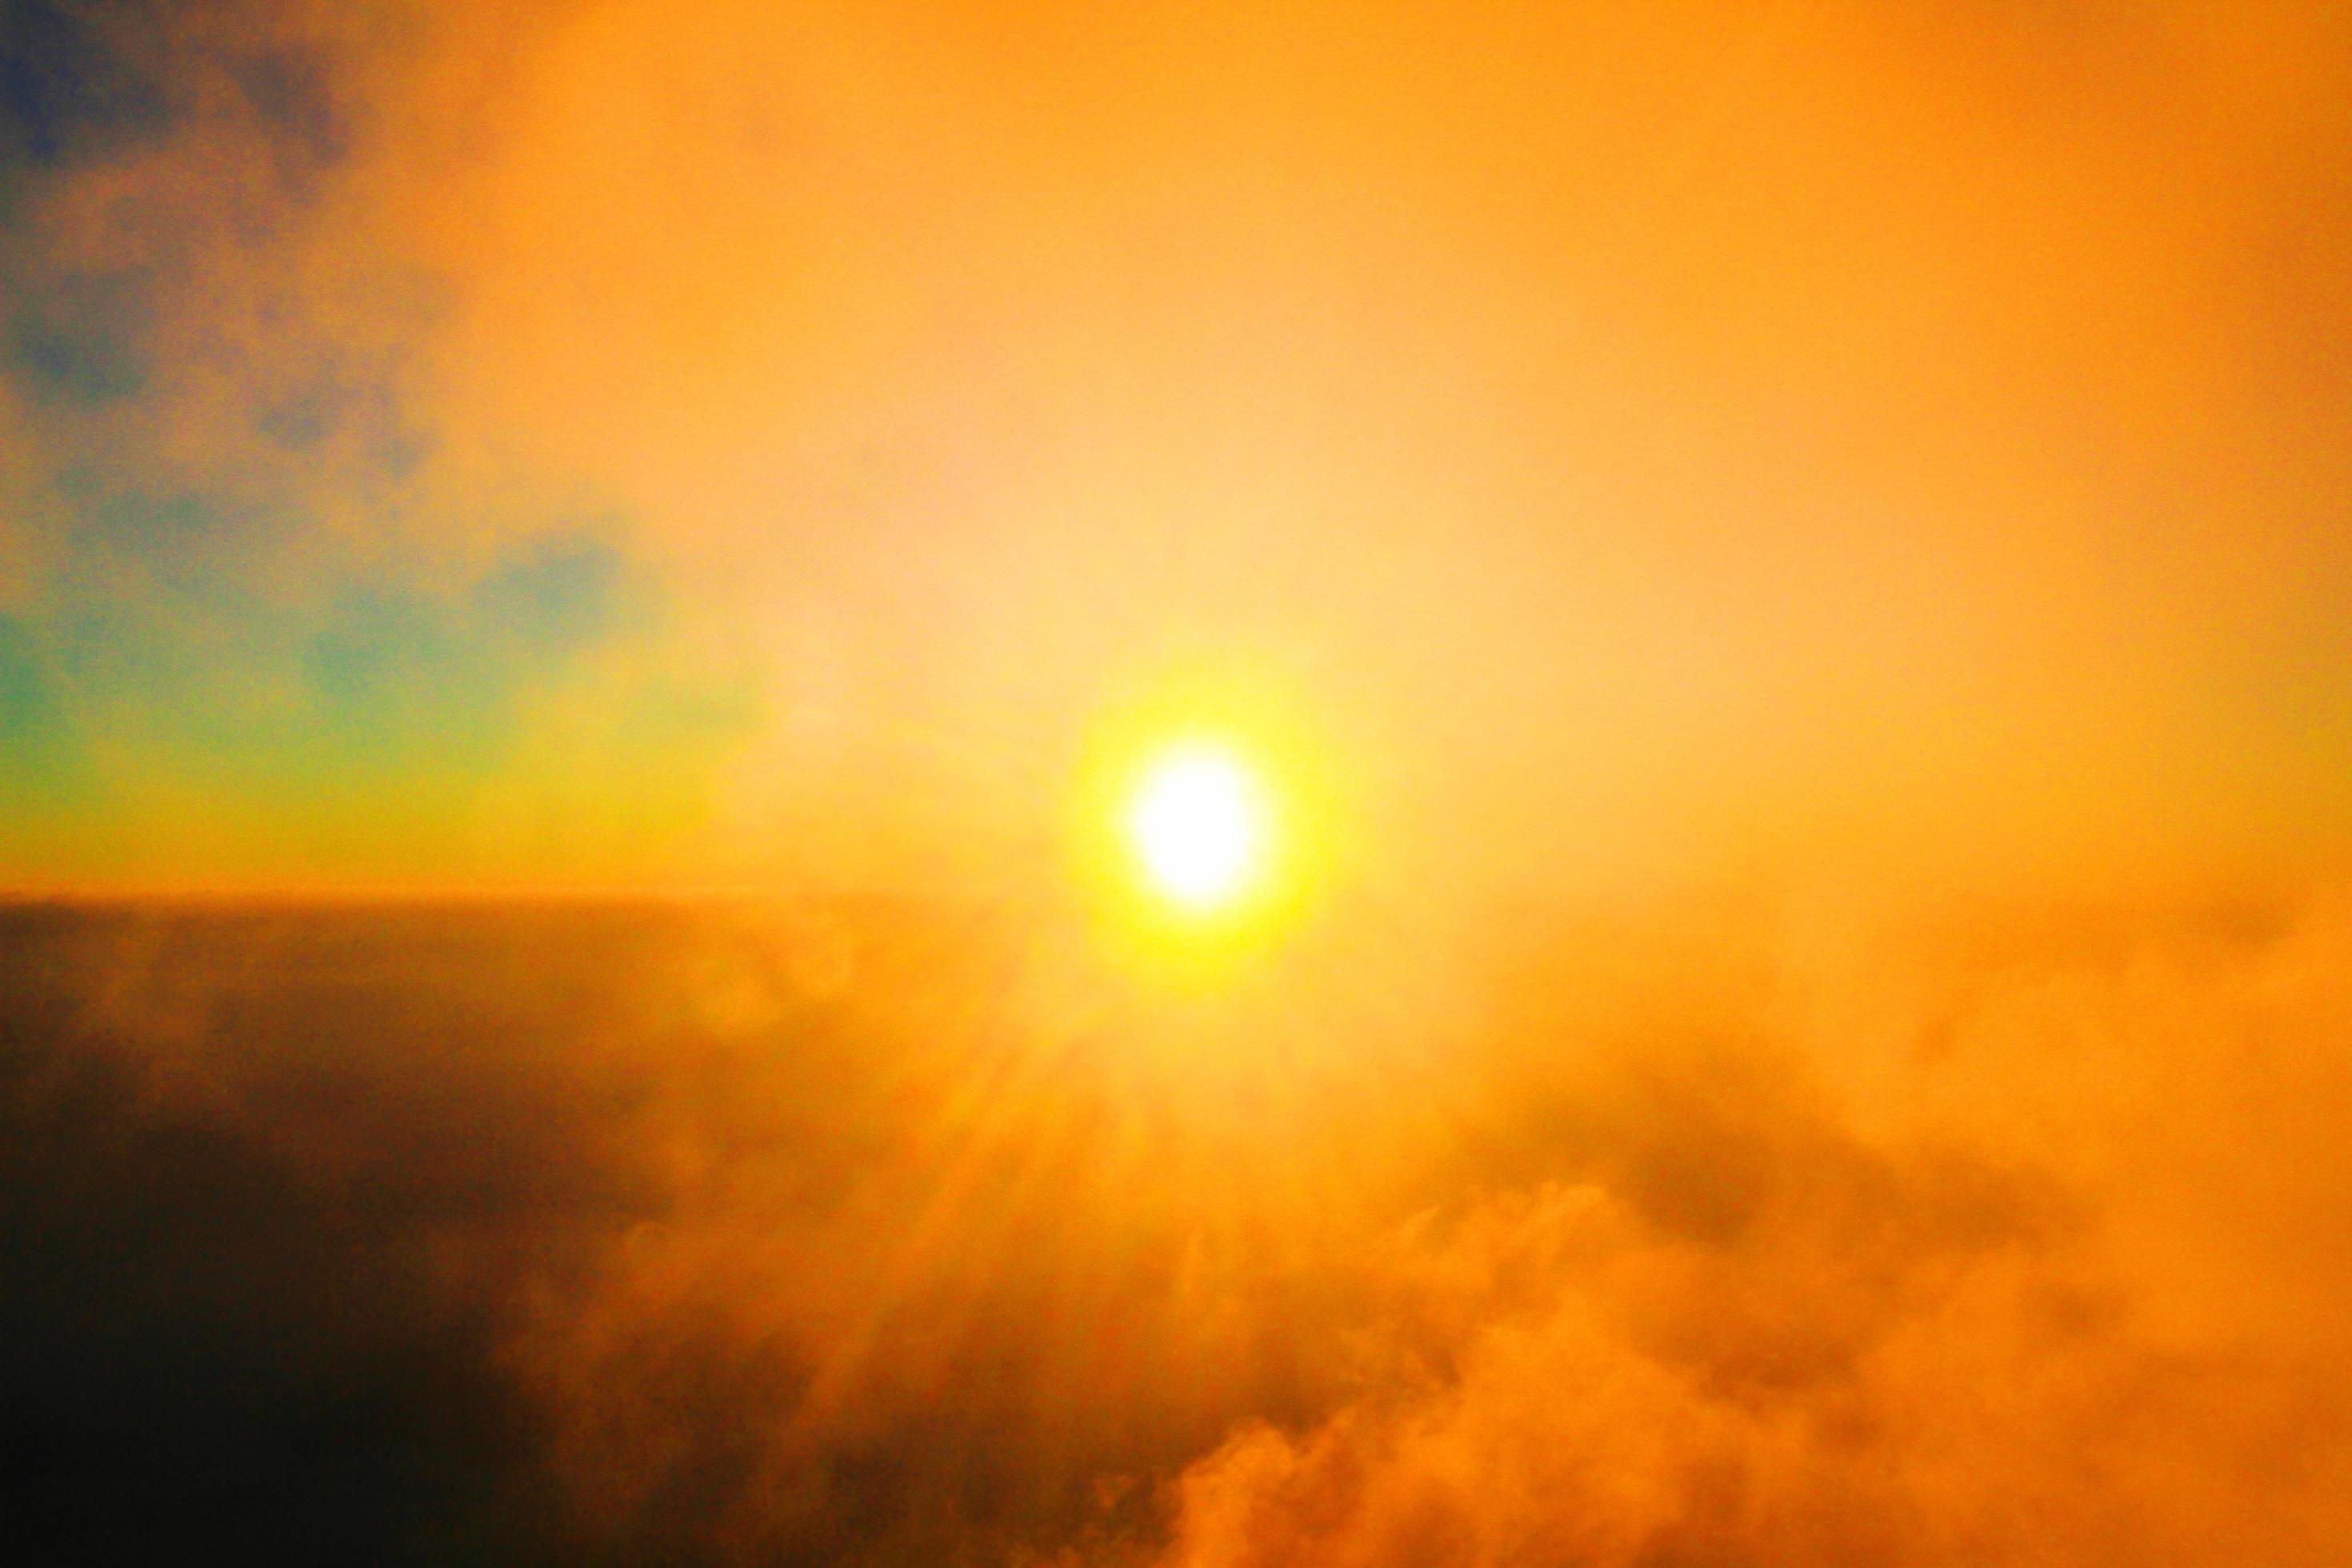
(1784,566)
(1650,440)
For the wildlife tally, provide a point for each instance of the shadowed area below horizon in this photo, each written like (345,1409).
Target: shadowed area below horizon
(841,1233)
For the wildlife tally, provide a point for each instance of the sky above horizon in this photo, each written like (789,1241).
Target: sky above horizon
(560,445)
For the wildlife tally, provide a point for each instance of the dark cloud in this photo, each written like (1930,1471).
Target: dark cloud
(292,93)
(406,1235)
(248,1299)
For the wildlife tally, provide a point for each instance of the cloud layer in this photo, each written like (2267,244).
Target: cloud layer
(840,1233)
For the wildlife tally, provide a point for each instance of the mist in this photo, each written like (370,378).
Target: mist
(772,1234)
(591,594)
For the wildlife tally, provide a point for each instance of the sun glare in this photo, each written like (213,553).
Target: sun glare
(1197,826)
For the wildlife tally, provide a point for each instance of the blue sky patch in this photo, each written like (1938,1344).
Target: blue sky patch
(66,90)
(82,339)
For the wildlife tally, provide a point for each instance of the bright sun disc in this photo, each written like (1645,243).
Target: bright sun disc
(1197,826)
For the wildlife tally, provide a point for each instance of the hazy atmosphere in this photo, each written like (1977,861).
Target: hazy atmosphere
(1176,786)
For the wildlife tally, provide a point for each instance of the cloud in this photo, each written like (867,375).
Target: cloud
(2061,1305)
(1896,449)
(831,1233)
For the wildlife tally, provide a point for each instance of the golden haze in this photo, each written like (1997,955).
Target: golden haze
(1160,785)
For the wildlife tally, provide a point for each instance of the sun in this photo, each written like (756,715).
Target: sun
(1209,823)
(1197,825)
